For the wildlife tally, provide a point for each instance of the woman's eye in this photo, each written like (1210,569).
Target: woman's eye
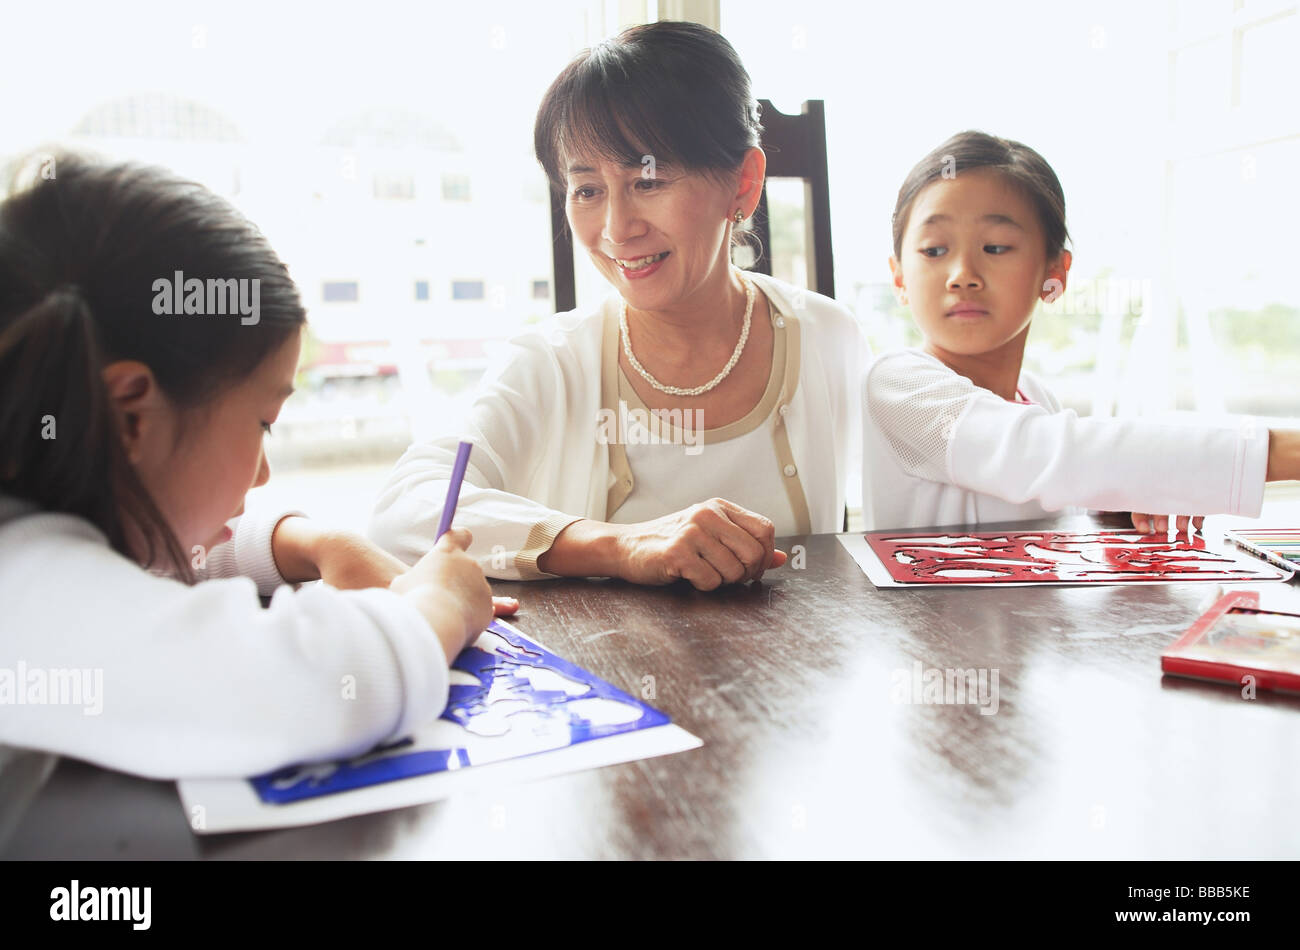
(996,248)
(647,184)
(934,251)
(584,193)
(266,427)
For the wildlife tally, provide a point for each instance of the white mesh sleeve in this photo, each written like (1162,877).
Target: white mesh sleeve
(944,428)
(916,404)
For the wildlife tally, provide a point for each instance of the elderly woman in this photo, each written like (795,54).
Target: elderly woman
(700,411)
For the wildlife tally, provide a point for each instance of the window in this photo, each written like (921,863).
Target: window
(394,186)
(455,187)
(340,291)
(467,290)
(380,185)
(1178,246)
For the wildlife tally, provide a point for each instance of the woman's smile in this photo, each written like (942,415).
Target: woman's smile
(639,267)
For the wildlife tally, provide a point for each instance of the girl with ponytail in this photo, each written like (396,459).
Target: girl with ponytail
(130,430)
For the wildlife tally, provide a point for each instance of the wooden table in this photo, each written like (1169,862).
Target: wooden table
(793,684)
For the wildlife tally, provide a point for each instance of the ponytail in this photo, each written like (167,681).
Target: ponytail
(79,255)
(62,449)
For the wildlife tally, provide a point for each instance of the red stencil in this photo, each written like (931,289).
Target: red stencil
(1056,557)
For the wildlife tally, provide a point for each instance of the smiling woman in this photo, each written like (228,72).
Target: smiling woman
(653,139)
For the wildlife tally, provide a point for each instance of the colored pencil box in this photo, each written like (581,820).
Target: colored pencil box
(1246,638)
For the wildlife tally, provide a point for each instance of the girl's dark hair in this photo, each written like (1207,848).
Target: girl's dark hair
(1018,163)
(676,91)
(80,249)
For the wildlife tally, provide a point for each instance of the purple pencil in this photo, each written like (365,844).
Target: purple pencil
(453,489)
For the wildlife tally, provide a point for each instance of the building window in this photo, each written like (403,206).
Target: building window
(541,290)
(455,187)
(421,290)
(393,186)
(340,291)
(467,290)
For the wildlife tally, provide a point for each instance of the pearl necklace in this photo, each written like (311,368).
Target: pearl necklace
(695,390)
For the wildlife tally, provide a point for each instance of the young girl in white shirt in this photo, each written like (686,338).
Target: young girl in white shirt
(958,433)
(131,430)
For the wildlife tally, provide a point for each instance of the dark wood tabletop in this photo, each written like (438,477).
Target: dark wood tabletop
(795,686)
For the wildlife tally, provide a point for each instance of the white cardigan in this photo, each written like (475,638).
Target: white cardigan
(538,464)
(939,450)
(200,681)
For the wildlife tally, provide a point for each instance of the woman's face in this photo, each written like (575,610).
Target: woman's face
(199,483)
(657,233)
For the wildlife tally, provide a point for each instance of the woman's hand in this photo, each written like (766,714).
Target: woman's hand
(1159,524)
(709,544)
(448,588)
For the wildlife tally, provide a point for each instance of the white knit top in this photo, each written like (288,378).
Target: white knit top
(195,681)
(940,450)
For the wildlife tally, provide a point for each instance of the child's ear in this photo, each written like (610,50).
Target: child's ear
(1057,272)
(900,291)
(138,405)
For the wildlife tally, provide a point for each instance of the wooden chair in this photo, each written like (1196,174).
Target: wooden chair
(796,148)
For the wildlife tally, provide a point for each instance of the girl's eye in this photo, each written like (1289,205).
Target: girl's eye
(996,248)
(934,251)
(266,427)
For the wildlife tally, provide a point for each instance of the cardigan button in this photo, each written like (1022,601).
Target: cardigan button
(789,470)
(785,409)
(780,323)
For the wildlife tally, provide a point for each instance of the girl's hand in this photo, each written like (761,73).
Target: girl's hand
(1283,455)
(1159,524)
(709,544)
(448,588)
(306,551)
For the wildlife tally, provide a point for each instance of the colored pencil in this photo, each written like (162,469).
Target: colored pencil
(453,488)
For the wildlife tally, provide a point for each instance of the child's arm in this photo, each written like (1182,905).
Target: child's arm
(1283,455)
(277,547)
(942,427)
(201,681)
(289,548)
(306,550)
(1283,465)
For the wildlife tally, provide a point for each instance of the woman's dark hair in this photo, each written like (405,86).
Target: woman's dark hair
(1017,163)
(80,249)
(676,91)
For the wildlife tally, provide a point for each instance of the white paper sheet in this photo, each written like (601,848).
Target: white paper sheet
(225,805)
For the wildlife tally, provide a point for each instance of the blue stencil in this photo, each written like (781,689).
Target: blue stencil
(527,700)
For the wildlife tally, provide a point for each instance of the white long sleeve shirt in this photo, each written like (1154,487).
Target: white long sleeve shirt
(547,437)
(938,450)
(198,681)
